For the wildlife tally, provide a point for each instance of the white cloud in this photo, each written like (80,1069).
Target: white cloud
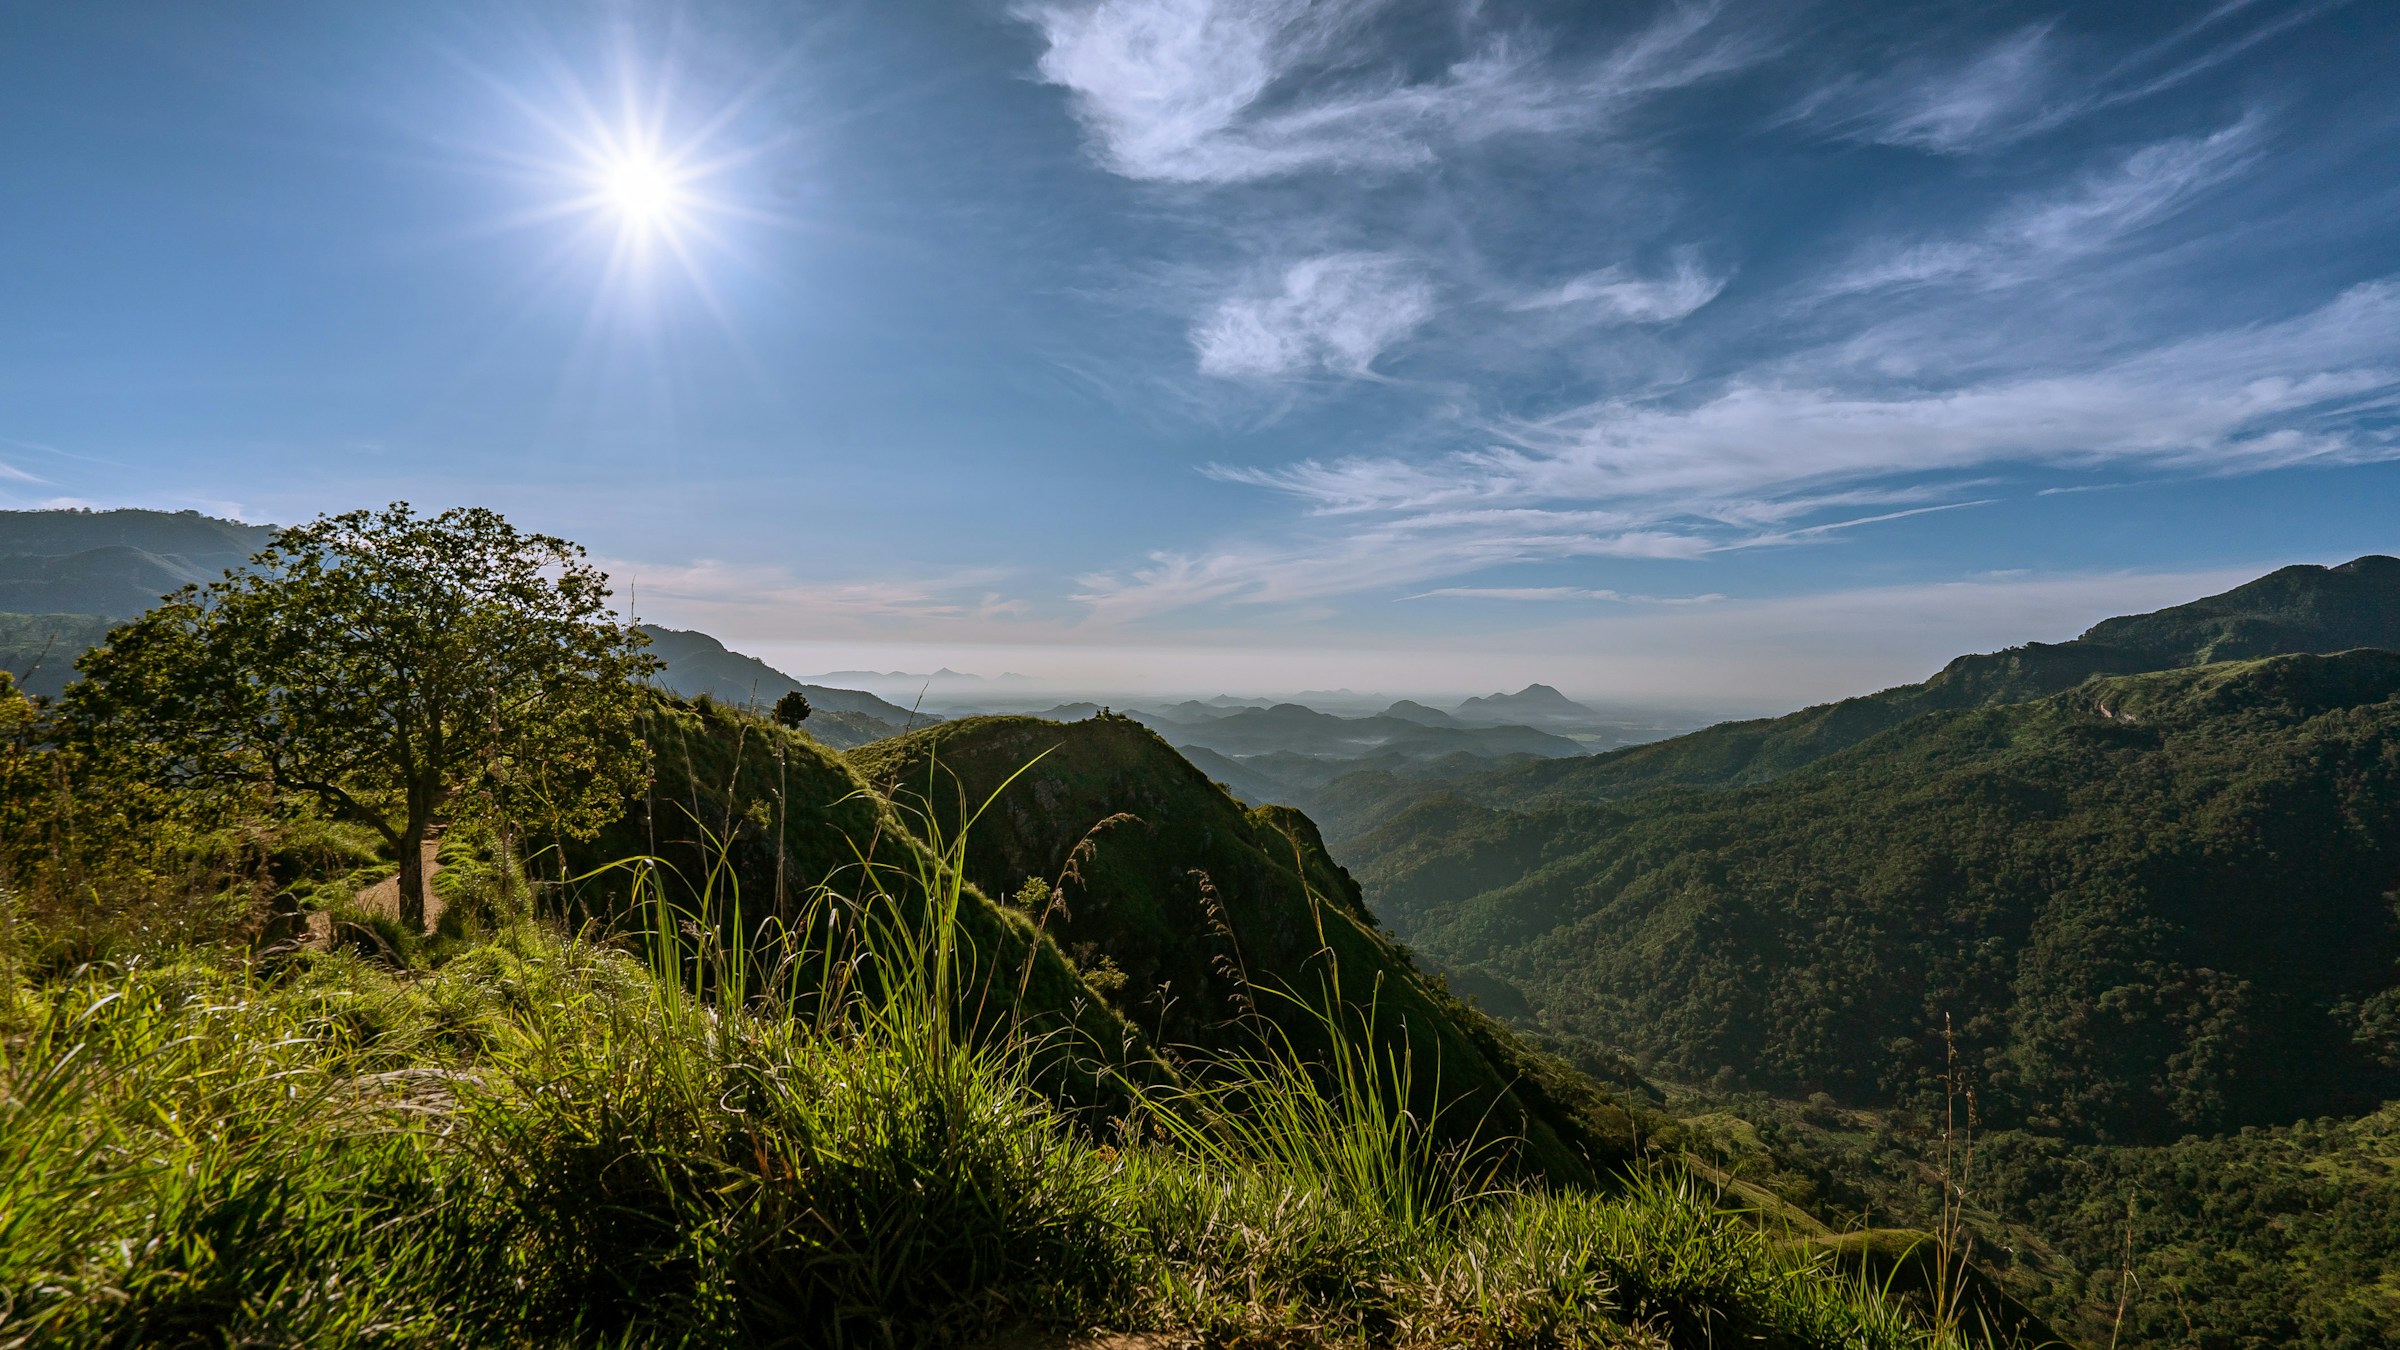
(1221,91)
(1614,295)
(1337,313)
(1742,468)
(1998,95)
(2241,400)
(2029,82)
(2031,241)
(1384,555)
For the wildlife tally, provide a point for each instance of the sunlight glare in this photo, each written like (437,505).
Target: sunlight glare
(643,191)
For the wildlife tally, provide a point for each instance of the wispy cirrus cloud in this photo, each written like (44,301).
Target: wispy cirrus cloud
(2033,239)
(2031,81)
(1999,94)
(1755,463)
(2244,399)
(1233,95)
(1576,420)
(1334,313)
(1227,91)
(1381,555)
(1616,295)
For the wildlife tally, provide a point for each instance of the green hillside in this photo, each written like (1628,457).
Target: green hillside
(2294,609)
(2153,905)
(569,1119)
(113,563)
(1205,914)
(39,650)
(698,665)
(784,824)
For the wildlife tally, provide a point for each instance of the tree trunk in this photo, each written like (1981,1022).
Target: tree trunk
(412,878)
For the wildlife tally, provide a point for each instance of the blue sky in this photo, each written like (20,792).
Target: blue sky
(1735,354)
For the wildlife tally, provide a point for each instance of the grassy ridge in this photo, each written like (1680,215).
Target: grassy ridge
(1209,918)
(543,1140)
(740,806)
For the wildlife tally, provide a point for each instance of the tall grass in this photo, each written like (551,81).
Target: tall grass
(793,1129)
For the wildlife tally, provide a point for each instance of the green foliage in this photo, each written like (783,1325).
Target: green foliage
(739,806)
(2281,1236)
(391,667)
(544,1143)
(792,709)
(2100,887)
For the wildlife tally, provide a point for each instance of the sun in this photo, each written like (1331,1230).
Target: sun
(643,190)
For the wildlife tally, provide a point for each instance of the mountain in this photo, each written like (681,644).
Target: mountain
(1209,916)
(1194,710)
(698,664)
(114,564)
(1409,710)
(38,650)
(1248,785)
(1290,728)
(2146,884)
(767,816)
(1533,705)
(2296,609)
(67,577)
(2153,905)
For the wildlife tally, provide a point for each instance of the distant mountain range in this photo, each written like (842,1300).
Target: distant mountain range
(1290,728)
(66,577)
(698,664)
(2136,891)
(2214,840)
(2295,609)
(1534,705)
(114,564)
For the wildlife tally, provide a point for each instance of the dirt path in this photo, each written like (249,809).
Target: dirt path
(384,896)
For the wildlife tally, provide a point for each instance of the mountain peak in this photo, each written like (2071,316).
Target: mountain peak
(1409,710)
(1533,702)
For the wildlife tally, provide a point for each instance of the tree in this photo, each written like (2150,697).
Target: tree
(21,775)
(792,709)
(394,668)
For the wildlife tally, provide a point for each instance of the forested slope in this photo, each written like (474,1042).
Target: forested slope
(2151,905)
